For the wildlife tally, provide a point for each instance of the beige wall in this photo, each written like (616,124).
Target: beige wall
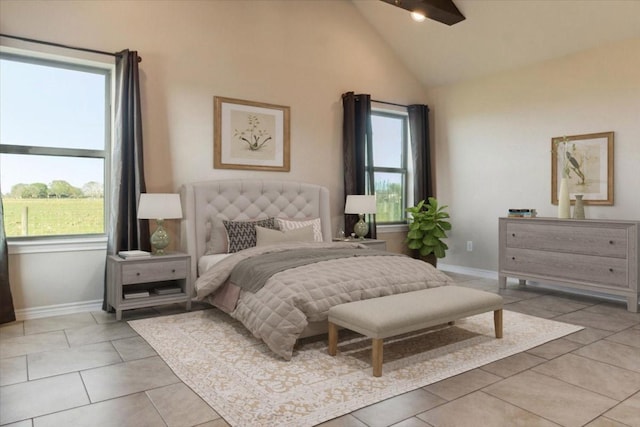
(493,141)
(303,54)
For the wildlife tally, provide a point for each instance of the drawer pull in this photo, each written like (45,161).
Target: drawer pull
(611,242)
(173,270)
(513,258)
(138,273)
(513,234)
(611,270)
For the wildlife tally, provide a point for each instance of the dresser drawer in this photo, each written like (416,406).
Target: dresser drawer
(153,271)
(564,266)
(578,239)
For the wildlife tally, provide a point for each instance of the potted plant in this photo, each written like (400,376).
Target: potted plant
(427,227)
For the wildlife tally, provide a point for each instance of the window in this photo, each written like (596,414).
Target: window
(54,133)
(390,136)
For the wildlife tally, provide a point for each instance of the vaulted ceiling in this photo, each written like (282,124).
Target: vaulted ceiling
(498,35)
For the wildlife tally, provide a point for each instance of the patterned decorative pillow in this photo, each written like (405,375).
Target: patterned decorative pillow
(265,236)
(292,224)
(242,234)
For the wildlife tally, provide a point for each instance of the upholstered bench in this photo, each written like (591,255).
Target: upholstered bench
(392,315)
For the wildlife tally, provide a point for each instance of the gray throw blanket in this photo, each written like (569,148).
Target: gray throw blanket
(252,273)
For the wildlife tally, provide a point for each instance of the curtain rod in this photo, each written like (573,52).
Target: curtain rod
(389,103)
(25,39)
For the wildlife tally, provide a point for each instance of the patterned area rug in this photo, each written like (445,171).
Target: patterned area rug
(249,386)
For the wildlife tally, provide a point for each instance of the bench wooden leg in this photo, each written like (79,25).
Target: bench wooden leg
(376,356)
(497,322)
(333,339)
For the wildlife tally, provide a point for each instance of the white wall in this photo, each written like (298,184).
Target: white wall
(493,141)
(303,54)
(59,282)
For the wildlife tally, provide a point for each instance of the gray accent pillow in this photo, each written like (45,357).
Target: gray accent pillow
(242,234)
(265,236)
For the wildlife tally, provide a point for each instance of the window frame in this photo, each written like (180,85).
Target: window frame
(404,170)
(75,64)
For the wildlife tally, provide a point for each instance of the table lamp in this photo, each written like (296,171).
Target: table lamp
(360,205)
(159,206)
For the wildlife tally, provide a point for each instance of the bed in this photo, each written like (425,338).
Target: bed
(292,302)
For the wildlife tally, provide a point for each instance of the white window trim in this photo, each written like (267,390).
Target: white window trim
(392,228)
(72,244)
(400,111)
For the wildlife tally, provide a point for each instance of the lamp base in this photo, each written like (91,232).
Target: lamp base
(159,239)
(361,228)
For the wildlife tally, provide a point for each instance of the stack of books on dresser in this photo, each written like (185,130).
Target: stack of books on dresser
(522,213)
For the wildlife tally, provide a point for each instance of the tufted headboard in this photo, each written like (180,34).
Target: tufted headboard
(203,202)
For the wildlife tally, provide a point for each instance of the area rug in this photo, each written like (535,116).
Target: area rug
(248,385)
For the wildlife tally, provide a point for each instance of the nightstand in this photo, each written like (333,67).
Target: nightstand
(148,281)
(380,245)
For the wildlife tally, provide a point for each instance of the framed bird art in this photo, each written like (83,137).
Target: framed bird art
(586,161)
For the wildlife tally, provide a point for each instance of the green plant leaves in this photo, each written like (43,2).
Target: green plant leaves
(427,227)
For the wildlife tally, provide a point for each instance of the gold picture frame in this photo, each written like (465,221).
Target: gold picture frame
(588,161)
(250,135)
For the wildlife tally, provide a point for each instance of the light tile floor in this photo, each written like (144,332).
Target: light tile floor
(88,369)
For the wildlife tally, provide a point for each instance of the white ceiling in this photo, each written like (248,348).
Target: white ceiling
(498,35)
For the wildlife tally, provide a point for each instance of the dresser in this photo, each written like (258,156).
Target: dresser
(595,255)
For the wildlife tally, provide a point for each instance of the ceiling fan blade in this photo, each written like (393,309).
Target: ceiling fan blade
(444,11)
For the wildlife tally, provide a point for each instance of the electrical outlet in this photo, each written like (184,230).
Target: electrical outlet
(469,246)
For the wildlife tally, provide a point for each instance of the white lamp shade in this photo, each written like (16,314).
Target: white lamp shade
(159,206)
(357,204)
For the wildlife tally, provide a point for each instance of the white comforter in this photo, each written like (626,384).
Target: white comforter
(281,310)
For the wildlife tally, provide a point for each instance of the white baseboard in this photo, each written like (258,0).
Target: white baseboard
(58,310)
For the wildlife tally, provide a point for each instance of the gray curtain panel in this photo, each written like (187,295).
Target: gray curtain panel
(357,154)
(124,230)
(7,313)
(421,151)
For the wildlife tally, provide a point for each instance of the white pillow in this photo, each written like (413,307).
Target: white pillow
(293,224)
(267,236)
(207,261)
(217,243)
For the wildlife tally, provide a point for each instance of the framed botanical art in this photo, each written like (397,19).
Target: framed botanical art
(587,163)
(250,135)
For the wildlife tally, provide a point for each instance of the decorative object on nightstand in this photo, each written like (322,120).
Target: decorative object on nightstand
(159,206)
(360,205)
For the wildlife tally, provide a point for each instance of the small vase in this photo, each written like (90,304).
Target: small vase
(578,209)
(564,203)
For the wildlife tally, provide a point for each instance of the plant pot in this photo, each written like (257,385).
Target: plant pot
(431,258)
